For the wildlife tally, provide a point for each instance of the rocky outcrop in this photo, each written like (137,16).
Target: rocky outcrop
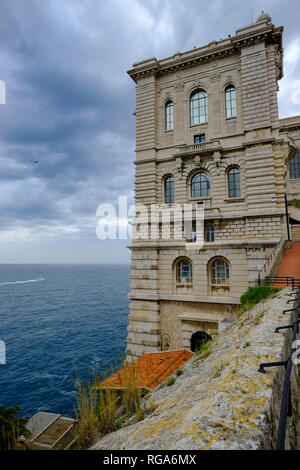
(221,401)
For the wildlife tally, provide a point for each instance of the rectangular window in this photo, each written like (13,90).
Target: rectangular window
(198,139)
(230,99)
(198,107)
(169,190)
(210,233)
(169,116)
(294,166)
(234,186)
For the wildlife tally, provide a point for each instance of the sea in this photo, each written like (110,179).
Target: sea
(59,322)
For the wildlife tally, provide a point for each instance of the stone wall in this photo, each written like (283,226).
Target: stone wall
(221,401)
(295,233)
(181,319)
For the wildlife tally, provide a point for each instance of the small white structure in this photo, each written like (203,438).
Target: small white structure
(50,431)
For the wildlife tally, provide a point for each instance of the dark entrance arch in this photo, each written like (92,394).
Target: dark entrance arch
(198,339)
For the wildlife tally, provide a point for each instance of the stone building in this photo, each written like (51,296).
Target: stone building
(292,127)
(208,135)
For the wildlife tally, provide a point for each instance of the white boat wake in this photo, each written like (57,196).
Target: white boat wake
(21,282)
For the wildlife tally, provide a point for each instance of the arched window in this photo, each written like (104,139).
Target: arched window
(219,272)
(184,272)
(294,166)
(198,107)
(200,185)
(169,116)
(169,190)
(230,100)
(234,184)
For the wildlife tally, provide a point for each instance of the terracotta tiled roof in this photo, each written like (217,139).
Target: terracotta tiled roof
(149,370)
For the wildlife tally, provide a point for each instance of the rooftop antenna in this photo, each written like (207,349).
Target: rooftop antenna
(251,16)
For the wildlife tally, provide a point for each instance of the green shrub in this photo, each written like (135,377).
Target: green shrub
(97,406)
(295,203)
(86,412)
(254,295)
(11,428)
(140,415)
(204,350)
(170,381)
(152,406)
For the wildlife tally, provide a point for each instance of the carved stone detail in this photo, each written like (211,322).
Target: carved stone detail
(217,159)
(179,86)
(215,77)
(197,161)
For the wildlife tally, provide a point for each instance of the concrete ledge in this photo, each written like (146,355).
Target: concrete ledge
(169,244)
(197,319)
(187,298)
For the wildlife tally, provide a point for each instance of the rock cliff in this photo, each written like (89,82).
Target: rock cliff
(220,401)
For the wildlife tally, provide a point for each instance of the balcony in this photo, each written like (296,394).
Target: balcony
(196,149)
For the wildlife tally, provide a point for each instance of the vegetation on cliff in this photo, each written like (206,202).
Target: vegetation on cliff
(254,295)
(103,410)
(11,428)
(221,401)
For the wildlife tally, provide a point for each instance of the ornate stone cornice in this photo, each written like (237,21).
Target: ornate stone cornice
(291,127)
(211,52)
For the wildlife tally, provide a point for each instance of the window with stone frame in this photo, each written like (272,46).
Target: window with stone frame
(198,108)
(230,101)
(210,233)
(294,166)
(169,189)
(219,272)
(184,272)
(234,182)
(169,115)
(200,185)
(199,139)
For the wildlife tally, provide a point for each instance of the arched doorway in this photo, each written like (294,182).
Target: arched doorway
(198,338)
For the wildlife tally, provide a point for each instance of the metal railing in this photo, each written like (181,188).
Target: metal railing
(274,252)
(286,409)
(283,281)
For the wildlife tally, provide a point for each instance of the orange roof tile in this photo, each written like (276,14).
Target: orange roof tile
(149,370)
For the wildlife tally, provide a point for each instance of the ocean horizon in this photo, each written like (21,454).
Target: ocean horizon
(55,318)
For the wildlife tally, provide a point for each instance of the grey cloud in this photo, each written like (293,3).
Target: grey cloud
(70,103)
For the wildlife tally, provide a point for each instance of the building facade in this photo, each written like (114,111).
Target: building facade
(292,127)
(208,135)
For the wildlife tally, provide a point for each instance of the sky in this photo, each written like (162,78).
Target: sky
(69,106)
